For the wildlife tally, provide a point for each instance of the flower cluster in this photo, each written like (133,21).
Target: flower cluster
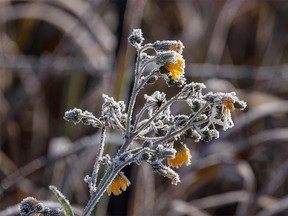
(162,132)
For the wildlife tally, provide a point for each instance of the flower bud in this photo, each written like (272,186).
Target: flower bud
(32,207)
(147,144)
(162,152)
(209,135)
(73,115)
(166,171)
(136,37)
(168,45)
(152,80)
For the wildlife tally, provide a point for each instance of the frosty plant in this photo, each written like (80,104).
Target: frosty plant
(161,133)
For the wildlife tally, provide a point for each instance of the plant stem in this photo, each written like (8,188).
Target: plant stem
(134,93)
(140,114)
(125,145)
(99,154)
(94,199)
(168,103)
(107,179)
(138,72)
(118,123)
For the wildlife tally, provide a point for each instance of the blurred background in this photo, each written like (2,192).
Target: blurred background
(56,55)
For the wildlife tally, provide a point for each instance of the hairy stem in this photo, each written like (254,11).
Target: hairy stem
(146,124)
(107,179)
(139,116)
(104,183)
(99,154)
(134,94)
(138,72)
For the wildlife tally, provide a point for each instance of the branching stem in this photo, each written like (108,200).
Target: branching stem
(111,172)
(167,104)
(186,127)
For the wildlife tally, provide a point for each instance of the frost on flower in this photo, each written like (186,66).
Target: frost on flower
(166,171)
(166,45)
(119,184)
(155,102)
(136,38)
(113,113)
(182,155)
(161,130)
(173,62)
(222,105)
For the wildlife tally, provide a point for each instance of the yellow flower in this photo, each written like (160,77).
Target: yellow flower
(176,68)
(119,183)
(182,156)
(228,104)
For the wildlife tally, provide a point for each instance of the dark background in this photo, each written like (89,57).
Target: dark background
(56,55)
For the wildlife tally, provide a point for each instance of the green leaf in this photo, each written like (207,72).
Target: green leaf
(63,201)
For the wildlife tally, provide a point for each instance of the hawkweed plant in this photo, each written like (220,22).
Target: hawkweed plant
(162,134)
